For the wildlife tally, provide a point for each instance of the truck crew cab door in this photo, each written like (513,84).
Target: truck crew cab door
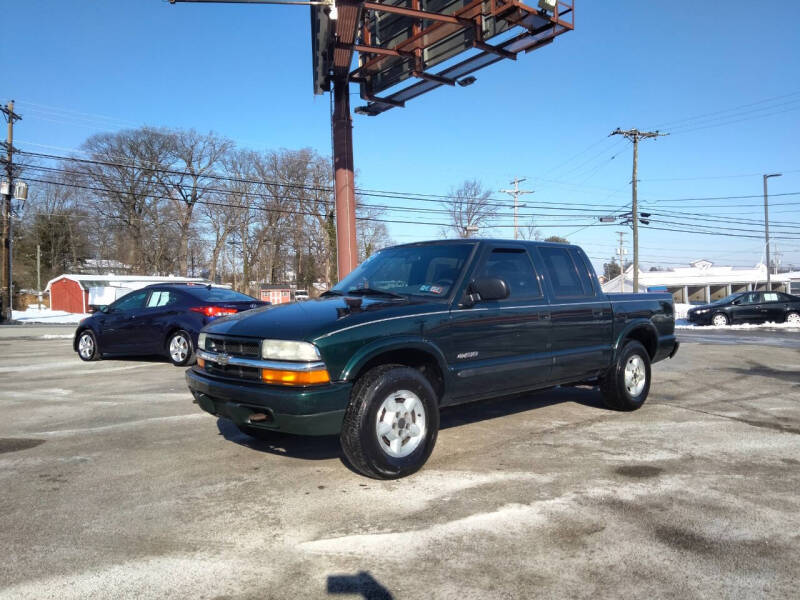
(581,333)
(500,346)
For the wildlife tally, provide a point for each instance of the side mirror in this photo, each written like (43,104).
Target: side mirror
(105,309)
(488,288)
(736,302)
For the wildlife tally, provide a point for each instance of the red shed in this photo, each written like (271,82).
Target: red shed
(68,294)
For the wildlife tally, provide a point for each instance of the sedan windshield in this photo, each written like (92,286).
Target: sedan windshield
(408,270)
(727,299)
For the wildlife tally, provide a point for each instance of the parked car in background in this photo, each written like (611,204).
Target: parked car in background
(748,307)
(158,319)
(301,295)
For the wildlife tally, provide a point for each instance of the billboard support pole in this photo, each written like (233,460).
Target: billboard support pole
(344,179)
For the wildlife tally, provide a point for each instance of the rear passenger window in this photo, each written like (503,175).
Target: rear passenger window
(514,266)
(583,272)
(161,298)
(563,273)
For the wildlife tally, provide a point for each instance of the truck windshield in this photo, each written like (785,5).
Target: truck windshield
(409,270)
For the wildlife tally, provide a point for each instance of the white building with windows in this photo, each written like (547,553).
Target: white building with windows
(703,282)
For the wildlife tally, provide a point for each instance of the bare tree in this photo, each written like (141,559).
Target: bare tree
(192,159)
(123,180)
(470,208)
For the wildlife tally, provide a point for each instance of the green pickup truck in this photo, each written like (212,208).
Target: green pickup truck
(421,326)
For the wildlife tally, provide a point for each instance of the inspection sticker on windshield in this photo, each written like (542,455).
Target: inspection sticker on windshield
(435,289)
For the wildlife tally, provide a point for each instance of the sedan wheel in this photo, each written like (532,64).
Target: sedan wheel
(793,318)
(87,346)
(181,350)
(719,320)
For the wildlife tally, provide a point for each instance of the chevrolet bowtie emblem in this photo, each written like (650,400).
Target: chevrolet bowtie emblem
(223,359)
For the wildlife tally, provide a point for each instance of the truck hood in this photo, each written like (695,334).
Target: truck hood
(303,320)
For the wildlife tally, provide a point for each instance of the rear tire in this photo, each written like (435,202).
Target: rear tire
(793,318)
(392,422)
(627,383)
(180,348)
(87,346)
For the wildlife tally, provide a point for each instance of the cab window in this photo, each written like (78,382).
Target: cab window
(562,273)
(514,266)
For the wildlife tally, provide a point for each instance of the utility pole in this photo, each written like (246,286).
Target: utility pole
(515,193)
(766,225)
(11,116)
(621,251)
(634,135)
(39,273)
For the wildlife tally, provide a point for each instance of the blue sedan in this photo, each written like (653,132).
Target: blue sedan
(158,319)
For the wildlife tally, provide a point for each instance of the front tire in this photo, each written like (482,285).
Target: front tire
(627,383)
(391,424)
(87,346)
(719,320)
(180,348)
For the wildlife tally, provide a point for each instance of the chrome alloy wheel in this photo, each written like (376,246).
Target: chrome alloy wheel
(793,318)
(400,424)
(178,348)
(719,319)
(635,375)
(86,346)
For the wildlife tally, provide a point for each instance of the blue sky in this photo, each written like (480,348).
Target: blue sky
(725,82)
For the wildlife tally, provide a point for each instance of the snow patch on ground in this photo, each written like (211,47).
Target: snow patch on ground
(58,336)
(684,324)
(45,315)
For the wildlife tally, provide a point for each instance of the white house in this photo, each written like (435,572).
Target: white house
(701,281)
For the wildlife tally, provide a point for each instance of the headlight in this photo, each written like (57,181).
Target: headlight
(287,350)
(702,310)
(201,341)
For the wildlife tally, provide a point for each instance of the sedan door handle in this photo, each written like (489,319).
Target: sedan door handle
(545,316)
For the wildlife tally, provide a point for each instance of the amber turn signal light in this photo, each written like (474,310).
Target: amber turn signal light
(280,377)
(201,362)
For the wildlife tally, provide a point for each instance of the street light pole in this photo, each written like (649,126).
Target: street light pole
(766,226)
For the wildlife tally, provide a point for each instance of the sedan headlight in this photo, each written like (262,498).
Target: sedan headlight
(702,310)
(288,350)
(201,341)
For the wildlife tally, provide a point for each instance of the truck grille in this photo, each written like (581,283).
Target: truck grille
(233,346)
(233,371)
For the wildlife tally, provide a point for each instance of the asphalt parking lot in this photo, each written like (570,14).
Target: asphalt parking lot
(113,484)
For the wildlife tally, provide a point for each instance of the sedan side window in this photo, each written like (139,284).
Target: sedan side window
(132,301)
(771,297)
(160,298)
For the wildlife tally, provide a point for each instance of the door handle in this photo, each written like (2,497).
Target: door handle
(545,316)
(597,312)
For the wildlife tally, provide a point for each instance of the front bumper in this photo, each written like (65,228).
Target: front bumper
(313,410)
(699,319)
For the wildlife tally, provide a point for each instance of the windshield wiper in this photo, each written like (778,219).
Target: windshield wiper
(374,292)
(331,293)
